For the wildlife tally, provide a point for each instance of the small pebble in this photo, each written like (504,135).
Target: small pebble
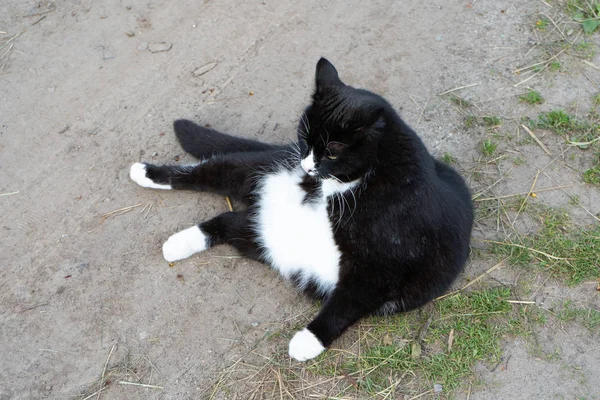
(437,388)
(143,46)
(159,47)
(254,324)
(48,387)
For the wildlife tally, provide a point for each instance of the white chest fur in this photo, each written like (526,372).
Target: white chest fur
(297,237)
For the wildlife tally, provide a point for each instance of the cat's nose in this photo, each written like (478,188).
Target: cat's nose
(308,164)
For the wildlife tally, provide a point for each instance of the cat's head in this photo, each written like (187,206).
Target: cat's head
(339,132)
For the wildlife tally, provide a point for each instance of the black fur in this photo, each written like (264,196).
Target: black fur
(404,232)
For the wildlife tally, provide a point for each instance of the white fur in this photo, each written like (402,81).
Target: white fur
(298,237)
(332,186)
(137,173)
(308,164)
(185,243)
(304,346)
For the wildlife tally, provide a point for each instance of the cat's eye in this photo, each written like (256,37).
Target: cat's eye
(334,149)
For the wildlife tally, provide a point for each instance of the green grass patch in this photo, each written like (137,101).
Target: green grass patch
(592,175)
(448,159)
(470,121)
(586,12)
(554,66)
(587,317)
(569,253)
(488,147)
(460,102)
(542,23)
(518,161)
(585,49)
(532,97)
(477,321)
(492,121)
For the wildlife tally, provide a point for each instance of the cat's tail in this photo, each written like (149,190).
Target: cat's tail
(203,142)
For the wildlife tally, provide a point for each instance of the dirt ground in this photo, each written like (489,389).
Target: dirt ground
(90,87)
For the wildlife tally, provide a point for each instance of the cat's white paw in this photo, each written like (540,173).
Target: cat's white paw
(304,346)
(137,173)
(183,244)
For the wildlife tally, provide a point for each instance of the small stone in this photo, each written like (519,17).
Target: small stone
(439,38)
(569,32)
(159,47)
(143,46)
(437,388)
(48,387)
(130,33)
(204,69)
(154,154)
(254,324)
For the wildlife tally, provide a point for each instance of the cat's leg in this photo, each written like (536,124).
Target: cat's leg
(345,306)
(231,174)
(230,227)
(204,143)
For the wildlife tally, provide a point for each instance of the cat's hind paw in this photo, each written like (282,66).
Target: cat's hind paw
(305,345)
(185,243)
(138,173)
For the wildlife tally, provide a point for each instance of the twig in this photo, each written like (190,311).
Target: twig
(13,38)
(39,20)
(121,210)
(556,26)
(95,393)
(525,199)
(591,64)
(104,369)
(495,267)
(583,143)
(520,301)
(516,71)
(459,88)
(140,384)
(32,307)
(506,196)
(422,111)
(538,141)
(229,203)
(8,194)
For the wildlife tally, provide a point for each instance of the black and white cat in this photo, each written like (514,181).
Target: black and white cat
(357,213)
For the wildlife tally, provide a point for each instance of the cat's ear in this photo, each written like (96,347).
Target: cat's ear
(326,74)
(374,121)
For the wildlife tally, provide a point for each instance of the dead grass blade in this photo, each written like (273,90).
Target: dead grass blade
(477,279)
(528,248)
(506,196)
(459,88)
(538,141)
(525,199)
(120,211)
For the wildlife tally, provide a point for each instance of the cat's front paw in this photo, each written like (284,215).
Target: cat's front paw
(185,243)
(305,345)
(139,174)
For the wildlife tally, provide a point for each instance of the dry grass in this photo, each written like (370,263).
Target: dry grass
(135,370)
